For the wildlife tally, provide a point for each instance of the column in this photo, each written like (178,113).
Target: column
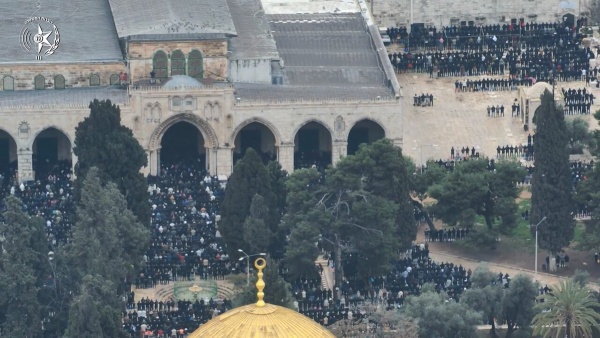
(25,165)
(212,159)
(73,163)
(340,150)
(286,156)
(148,170)
(224,165)
(157,161)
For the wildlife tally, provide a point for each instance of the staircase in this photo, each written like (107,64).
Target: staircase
(327,277)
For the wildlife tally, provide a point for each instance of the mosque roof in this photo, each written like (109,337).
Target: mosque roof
(261,320)
(165,19)
(86,31)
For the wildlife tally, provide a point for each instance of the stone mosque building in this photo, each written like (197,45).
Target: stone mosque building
(304,82)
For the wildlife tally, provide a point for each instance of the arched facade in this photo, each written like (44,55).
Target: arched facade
(313,145)
(50,147)
(258,134)
(8,151)
(206,130)
(367,131)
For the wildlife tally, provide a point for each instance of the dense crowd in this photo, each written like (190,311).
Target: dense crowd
(527,52)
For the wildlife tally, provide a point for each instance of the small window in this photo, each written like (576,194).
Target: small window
(189,102)
(176,101)
(59,82)
(114,79)
(39,82)
(94,80)
(8,83)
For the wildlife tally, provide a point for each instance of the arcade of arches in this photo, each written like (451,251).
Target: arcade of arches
(184,142)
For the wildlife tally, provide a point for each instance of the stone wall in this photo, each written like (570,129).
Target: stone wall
(214,53)
(389,13)
(76,75)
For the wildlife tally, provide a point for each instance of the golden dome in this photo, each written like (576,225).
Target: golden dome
(261,320)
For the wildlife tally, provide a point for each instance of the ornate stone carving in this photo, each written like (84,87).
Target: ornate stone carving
(153,112)
(24,131)
(208,107)
(209,135)
(216,110)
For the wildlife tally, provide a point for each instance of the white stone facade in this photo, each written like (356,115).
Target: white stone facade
(214,111)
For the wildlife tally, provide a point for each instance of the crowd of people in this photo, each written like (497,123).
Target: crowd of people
(577,101)
(465,152)
(446,235)
(423,100)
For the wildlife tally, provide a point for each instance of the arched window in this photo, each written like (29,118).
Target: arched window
(195,65)
(114,79)
(39,82)
(159,64)
(59,82)
(177,63)
(8,83)
(94,80)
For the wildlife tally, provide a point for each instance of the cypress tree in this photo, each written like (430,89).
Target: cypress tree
(101,141)
(551,186)
(249,177)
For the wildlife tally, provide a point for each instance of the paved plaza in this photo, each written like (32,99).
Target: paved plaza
(460,119)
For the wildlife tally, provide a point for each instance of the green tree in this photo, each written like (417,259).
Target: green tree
(108,240)
(551,186)
(277,290)
(301,222)
(249,177)
(439,317)
(23,269)
(382,171)
(567,307)
(256,233)
(578,135)
(472,189)
(95,311)
(484,297)
(277,178)
(518,304)
(102,141)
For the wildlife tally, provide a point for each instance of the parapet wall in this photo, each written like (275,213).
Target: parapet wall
(390,13)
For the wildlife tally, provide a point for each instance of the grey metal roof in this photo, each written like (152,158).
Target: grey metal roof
(254,40)
(65,97)
(158,17)
(267,92)
(86,29)
(320,50)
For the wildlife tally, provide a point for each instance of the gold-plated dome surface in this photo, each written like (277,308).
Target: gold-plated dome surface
(268,321)
(261,320)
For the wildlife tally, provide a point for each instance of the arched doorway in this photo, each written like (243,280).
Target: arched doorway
(183,143)
(364,131)
(258,137)
(8,159)
(51,153)
(312,146)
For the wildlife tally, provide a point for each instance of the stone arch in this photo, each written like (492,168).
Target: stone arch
(304,123)
(59,82)
(41,130)
(313,146)
(365,130)
(208,133)
(260,120)
(8,152)
(55,149)
(8,83)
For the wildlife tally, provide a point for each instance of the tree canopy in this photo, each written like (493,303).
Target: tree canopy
(249,177)
(570,306)
(102,141)
(474,188)
(441,317)
(551,186)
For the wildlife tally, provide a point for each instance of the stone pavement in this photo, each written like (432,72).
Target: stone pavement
(542,277)
(460,119)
